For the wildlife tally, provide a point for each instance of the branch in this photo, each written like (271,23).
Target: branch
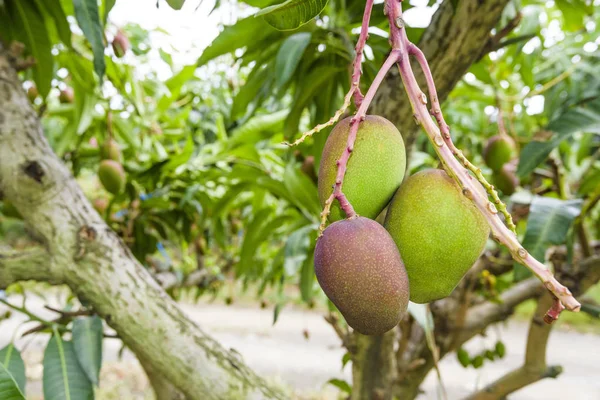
(97,265)
(447,152)
(482,315)
(34,264)
(354,125)
(534,368)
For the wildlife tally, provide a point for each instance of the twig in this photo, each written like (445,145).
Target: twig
(447,152)
(534,368)
(343,160)
(354,84)
(436,111)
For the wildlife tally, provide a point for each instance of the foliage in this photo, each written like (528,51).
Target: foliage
(211,188)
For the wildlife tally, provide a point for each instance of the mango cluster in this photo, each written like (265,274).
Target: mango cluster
(432,233)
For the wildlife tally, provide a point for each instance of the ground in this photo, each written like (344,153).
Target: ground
(302,351)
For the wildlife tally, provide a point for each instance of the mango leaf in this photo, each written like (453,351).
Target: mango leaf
(292,14)
(9,390)
(29,27)
(241,34)
(289,56)
(307,274)
(302,189)
(341,384)
(580,119)
(296,250)
(87,341)
(59,19)
(548,224)
(12,361)
(107,5)
(574,12)
(176,4)
(64,379)
(88,18)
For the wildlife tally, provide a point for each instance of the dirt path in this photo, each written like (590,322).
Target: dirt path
(284,353)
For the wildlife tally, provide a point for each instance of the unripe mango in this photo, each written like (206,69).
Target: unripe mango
(375,169)
(32,93)
(66,96)
(360,270)
(110,151)
(498,151)
(112,176)
(506,179)
(120,44)
(439,232)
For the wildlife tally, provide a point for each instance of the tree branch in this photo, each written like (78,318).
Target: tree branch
(33,264)
(534,368)
(92,260)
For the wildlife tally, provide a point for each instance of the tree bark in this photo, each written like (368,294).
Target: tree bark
(84,253)
(451,43)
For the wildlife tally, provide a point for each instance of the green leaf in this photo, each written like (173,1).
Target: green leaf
(107,5)
(581,119)
(64,379)
(244,32)
(258,128)
(88,18)
(574,12)
(302,189)
(87,340)
(292,14)
(307,274)
(12,361)
(29,27)
(296,250)
(289,55)
(549,221)
(59,19)
(9,390)
(176,4)
(341,384)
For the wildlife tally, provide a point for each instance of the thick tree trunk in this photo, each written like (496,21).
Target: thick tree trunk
(373,367)
(81,251)
(451,43)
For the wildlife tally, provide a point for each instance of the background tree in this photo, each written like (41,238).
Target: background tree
(210,192)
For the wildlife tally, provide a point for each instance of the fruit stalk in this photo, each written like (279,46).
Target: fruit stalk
(436,111)
(360,45)
(345,156)
(446,152)
(355,80)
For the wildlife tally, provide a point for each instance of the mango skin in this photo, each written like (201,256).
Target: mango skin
(375,168)
(439,233)
(112,176)
(360,270)
(110,151)
(498,151)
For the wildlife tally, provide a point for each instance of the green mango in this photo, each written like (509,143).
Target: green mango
(112,176)
(360,270)
(439,232)
(375,168)
(498,150)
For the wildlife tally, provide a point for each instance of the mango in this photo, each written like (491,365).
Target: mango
(498,150)
(439,233)
(67,96)
(360,270)
(120,44)
(375,169)
(112,176)
(110,151)
(506,179)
